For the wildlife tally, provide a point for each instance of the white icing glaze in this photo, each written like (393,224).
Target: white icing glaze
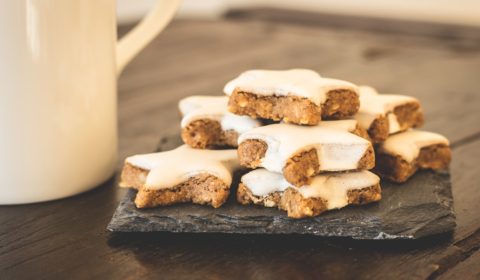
(367,91)
(214,108)
(409,143)
(346,125)
(374,105)
(393,124)
(170,168)
(262,182)
(298,82)
(336,149)
(333,187)
(238,123)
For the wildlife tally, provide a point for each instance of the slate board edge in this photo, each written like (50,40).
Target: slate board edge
(122,223)
(444,222)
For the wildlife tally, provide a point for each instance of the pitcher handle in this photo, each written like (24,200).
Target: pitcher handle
(135,40)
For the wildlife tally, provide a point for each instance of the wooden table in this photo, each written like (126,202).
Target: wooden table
(440,65)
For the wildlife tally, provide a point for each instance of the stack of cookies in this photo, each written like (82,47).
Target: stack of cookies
(310,141)
(315,159)
(400,149)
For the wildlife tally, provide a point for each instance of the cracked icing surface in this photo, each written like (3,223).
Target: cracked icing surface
(215,108)
(170,168)
(409,143)
(336,149)
(298,82)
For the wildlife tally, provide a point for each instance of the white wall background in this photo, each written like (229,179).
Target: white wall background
(465,12)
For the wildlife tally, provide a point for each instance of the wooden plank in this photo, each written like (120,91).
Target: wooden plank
(431,69)
(358,22)
(468,269)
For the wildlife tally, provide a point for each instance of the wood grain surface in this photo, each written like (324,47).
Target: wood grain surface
(67,239)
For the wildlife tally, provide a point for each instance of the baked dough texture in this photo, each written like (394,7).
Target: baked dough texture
(180,175)
(402,154)
(385,114)
(206,122)
(327,192)
(301,152)
(299,96)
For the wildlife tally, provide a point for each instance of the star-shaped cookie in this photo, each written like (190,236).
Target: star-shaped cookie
(180,175)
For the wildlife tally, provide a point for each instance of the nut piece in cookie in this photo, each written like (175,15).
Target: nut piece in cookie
(402,154)
(385,114)
(326,191)
(301,152)
(180,175)
(299,96)
(206,122)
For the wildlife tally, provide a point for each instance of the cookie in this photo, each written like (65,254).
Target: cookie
(206,122)
(180,175)
(402,154)
(326,191)
(301,152)
(385,114)
(349,125)
(299,96)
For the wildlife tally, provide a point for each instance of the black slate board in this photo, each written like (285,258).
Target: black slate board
(420,207)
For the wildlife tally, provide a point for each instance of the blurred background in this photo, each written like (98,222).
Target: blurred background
(462,12)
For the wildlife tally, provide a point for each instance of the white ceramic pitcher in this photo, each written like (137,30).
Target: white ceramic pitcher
(59,61)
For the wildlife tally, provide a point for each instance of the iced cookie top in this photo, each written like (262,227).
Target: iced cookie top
(409,143)
(296,82)
(214,108)
(262,182)
(374,105)
(346,125)
(170,168)
(332,187)
(349,125)
(337,149)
